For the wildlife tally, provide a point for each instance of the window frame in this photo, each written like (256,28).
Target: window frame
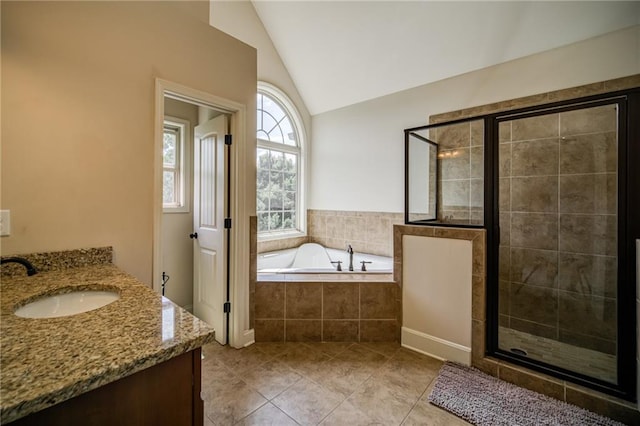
(291,111)
(183,165)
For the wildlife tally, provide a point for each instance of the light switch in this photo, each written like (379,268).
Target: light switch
(5,223)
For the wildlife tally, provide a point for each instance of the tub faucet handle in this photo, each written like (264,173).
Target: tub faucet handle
(339,263)
(364,268)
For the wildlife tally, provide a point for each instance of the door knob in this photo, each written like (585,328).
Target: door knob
(194,235)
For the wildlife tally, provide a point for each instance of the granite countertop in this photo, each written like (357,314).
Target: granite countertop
(47,361)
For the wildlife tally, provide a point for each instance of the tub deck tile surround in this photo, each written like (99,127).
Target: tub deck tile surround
(303,300)
(351,311)
(253,267)
(48,361)
(340,330)
(341,301)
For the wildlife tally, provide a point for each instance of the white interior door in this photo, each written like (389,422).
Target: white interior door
(209,248)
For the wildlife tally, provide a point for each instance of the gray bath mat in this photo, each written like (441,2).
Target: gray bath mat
(484,400)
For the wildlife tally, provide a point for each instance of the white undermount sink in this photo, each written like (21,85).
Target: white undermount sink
(66,304)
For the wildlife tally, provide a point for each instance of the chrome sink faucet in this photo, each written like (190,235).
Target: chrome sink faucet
(350,251)
(24,262)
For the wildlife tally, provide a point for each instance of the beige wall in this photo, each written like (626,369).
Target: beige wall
(177,248)
(436,296)
(197,9)
(239,19)
(78,82)
(372,130)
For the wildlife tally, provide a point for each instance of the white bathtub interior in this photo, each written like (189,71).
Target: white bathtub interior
(311,256)
(310,259)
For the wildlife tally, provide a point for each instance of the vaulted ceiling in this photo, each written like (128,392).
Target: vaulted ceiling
(343,52)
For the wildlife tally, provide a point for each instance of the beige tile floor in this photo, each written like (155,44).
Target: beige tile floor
(319,383)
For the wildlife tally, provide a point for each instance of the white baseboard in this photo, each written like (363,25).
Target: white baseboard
(248,339)
(435,346)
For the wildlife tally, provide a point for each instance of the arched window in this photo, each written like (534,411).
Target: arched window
(280,164)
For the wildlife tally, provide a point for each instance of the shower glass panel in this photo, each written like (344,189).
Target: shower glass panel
(444,174)
(422,169)
(558,215)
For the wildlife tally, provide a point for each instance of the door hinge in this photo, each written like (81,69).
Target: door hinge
(226,307)
(227,223)
(228,139)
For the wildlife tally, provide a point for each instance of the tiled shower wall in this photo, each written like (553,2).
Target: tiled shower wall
(461,170)
(558,226)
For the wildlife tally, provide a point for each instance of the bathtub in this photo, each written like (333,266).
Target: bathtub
(312,262)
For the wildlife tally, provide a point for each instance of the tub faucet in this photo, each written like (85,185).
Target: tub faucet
(350,251)
(339,263)
(24,262)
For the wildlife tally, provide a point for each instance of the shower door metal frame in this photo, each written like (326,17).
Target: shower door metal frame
(628,192)
(436,221)
(407,179)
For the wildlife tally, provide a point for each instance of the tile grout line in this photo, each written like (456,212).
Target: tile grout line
(417,401)
(382,362)
(253,411)
(359,312)
(558,231)
(346,398)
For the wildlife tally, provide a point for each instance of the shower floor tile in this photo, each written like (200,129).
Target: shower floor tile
(593,363)
(317,383)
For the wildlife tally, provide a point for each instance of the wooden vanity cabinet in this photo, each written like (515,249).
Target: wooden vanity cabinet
(165,394)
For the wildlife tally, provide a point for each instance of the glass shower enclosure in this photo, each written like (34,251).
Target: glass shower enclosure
(558,252)
(561,235)
(556,188)
(444,174)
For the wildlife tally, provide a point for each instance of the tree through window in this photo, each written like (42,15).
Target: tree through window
(278,167)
